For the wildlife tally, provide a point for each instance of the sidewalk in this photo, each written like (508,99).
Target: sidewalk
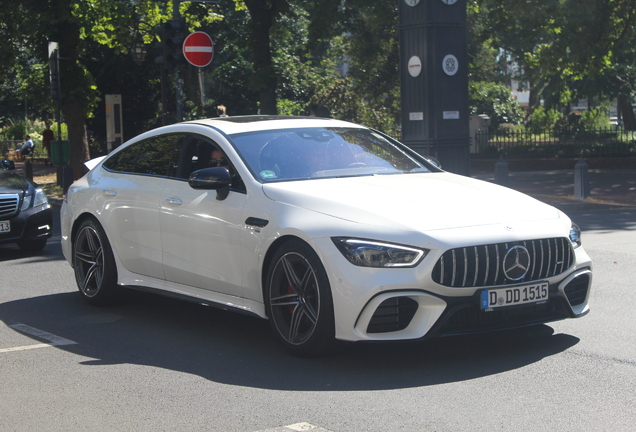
(608,188)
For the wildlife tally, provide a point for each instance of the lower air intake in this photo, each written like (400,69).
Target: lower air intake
(392,315)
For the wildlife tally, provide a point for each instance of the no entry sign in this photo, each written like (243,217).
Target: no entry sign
(198,49)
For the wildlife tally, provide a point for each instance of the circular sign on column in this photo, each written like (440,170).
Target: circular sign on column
(415,66)
(450,65)
(198,49)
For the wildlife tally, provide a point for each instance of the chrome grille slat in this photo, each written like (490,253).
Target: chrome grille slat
(465,266)
(9,204)
(454,273)
(541,261)
(487,265)
(482,265)
(476,266)
(497,261)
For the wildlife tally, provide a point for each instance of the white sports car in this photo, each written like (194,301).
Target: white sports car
(330,230)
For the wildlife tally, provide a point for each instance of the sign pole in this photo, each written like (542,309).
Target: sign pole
(176,15)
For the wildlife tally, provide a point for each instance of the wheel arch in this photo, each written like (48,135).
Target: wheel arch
(270,253)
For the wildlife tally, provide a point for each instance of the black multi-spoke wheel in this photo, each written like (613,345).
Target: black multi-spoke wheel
(95,271)
(298,300)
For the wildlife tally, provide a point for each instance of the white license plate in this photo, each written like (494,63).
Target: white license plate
(5,226)
(502,297)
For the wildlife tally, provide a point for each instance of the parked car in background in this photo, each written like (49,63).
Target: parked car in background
(7,164)
(26,218)
(330,230)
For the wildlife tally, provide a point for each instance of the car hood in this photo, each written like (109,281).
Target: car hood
(423,202)
(11,182)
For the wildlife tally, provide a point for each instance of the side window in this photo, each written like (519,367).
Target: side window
(196,154)
(154,156)
(123,161)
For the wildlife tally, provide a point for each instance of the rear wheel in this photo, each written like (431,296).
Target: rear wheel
(298,300)
(94,264)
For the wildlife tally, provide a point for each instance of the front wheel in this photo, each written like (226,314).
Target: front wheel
(298,300)
(94,265)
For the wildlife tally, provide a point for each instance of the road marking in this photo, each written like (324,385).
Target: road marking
(53,340)
(297,427)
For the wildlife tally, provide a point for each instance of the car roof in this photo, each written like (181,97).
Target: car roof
(242,124)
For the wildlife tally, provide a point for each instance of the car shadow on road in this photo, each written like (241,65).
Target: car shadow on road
(240,350)
(51,252)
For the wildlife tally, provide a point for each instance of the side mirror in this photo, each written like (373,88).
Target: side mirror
(216,178)
(433,161)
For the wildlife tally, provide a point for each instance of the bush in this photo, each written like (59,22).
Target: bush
(496,101)
(542,120)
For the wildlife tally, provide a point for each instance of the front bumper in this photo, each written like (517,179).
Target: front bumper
(30,225)
(400,315)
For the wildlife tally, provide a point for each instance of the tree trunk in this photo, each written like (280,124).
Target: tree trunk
(264,79)
(627,112)
(74,111)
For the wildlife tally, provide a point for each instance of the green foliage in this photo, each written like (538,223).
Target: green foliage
(595,118)
(496,101)
(16,130)
(578,124)
(542,119)
(289,108)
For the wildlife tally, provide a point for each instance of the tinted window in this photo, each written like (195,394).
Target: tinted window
(154,156)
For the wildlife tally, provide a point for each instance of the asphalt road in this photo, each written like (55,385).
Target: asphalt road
(154,364)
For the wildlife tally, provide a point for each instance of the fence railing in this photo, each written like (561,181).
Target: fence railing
(614,142)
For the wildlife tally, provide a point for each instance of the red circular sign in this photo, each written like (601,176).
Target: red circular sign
(198,49)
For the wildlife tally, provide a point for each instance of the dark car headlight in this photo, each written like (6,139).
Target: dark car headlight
(575,235)
(368,253)
(38,199)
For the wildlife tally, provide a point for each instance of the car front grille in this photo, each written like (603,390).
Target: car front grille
(488,265)
(9,204)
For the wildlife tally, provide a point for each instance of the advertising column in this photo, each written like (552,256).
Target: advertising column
(434,81)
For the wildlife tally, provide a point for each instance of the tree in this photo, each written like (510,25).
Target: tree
(263,15)
(569,49)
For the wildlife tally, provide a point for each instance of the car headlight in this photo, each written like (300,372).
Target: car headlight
(575,235)
(38,199)
(26,202)
(367,253)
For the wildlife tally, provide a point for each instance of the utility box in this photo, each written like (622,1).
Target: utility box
(434,80)
(478,126)
(114,129)
(55,152)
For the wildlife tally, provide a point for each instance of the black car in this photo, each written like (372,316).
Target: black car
(25,214)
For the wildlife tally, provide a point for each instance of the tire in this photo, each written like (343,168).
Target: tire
(32,246)
(94,265)
(298,300)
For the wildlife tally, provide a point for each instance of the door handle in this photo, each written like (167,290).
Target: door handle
(174,201)
(109,192)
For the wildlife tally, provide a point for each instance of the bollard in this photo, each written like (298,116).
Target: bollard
(67,177)
(501,172)
(28,170)
(581,180)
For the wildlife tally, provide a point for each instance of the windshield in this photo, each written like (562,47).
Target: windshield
(293,154)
